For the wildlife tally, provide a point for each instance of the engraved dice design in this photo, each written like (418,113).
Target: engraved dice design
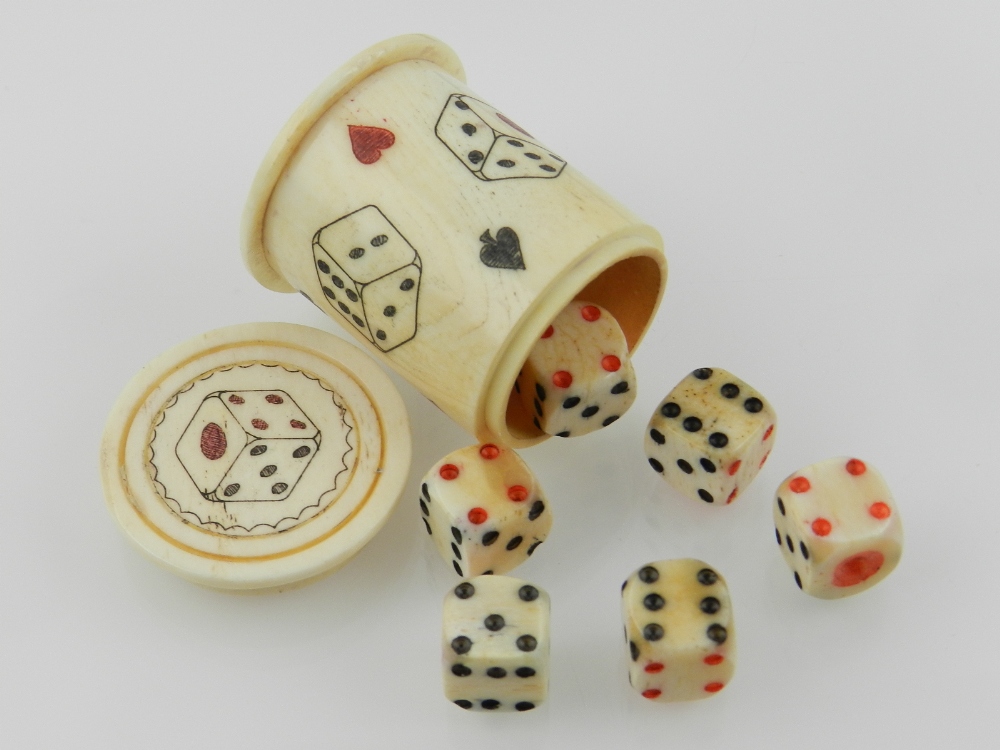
(578,378)
(490,145)
(247,446)
(838,527)
(370,274)
(484,510)
(679,630)
(496,644)
(710,436)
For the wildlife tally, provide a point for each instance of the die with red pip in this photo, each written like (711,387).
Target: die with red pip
(838,527)
(710,436)
(484,509)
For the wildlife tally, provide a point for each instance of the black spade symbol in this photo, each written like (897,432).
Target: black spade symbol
(502,252)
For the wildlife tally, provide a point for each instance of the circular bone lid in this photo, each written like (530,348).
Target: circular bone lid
(255,456)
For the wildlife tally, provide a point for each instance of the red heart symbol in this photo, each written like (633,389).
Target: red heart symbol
(367,142)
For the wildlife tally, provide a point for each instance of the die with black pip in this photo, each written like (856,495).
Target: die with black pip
(484,509)
(578,377)
(710,436)
(678,630)
(495,646)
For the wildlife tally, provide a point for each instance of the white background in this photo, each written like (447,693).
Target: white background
(825,176)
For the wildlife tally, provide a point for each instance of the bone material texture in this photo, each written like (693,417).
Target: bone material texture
(495,644)
(578,377)
(710,436)
(255,456)
(838,527)
(484,509)
(440,233)
(679,631)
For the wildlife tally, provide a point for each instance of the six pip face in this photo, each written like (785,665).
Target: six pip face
(679,630)
(495,644)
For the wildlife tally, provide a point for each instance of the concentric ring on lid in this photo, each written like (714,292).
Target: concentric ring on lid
(256,456)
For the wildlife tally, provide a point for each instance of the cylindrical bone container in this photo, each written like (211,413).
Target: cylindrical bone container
(440,232)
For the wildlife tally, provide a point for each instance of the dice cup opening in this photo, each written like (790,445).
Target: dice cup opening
(625,274)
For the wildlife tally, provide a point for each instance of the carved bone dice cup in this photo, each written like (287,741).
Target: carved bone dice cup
(441,233)
(255,456)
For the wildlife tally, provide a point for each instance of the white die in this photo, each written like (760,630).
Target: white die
(838,527)
(484,509)
(578,377)
(369,274)
(679,630)
(495,648)
(710,436)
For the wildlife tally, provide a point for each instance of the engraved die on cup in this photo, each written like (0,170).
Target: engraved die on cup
(370,275)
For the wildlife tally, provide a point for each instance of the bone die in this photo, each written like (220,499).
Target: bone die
(484,509)
(838,527)
(495,645)
(710,436)
(578,377)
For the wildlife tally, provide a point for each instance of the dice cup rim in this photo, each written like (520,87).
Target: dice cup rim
(317,553)
(364,64)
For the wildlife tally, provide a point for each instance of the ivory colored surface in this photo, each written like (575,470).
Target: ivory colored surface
(495,644)
(825,177)
(474,237)
(679,630)
(484,509)
(710,436)
(578,377)
(838,527)
(255,456)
